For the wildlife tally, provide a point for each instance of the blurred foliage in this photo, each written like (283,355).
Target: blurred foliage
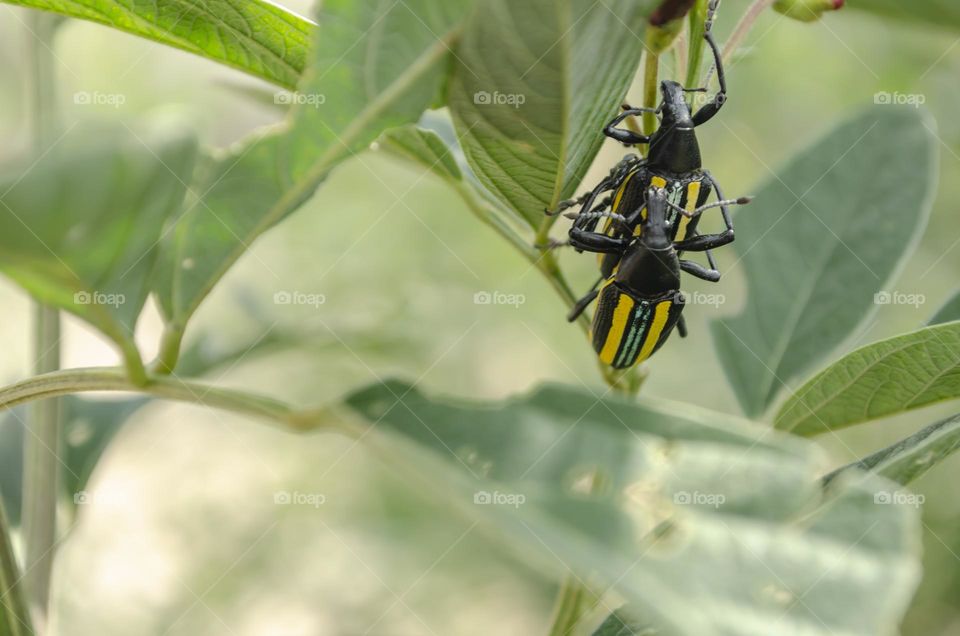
(187,533)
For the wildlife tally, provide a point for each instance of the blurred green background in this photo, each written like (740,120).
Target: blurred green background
(182,535)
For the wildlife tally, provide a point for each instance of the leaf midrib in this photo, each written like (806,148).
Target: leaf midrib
(318,170)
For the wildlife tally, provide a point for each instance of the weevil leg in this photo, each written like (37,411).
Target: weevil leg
(682,327)
(626,137)
(566,204)
(598,243)
(698,270)
(704,242)
(582,304)
(713,107)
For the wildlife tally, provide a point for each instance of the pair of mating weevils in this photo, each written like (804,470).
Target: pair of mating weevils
(650,218)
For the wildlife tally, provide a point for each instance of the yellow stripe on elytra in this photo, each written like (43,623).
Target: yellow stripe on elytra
(617,327)
(693,194)
(658,182)
(660,316)
(620,191)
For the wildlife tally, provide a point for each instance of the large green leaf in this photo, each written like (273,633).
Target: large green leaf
(880,379)
(254,36)
(705,523)
(949,312)
(377,65)
(821,239)
(533,84)
(911,458)
(80,225)
(941,13)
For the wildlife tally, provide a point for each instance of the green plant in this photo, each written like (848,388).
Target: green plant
(697,522)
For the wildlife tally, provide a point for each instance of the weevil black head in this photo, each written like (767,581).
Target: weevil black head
(656,228)
(674,147)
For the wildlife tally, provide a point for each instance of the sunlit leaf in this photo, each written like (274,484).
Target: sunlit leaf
(700,521)
(881,379)
(822,238)
(530,97)
(254,36)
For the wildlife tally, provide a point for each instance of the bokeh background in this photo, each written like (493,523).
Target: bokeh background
(181,534)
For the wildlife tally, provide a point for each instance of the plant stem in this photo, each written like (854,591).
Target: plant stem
(651,74)
(70,381)
(16,617)
(743,27)
(41,470)
(41,448)
(698,18)
(169,353)
(569,607)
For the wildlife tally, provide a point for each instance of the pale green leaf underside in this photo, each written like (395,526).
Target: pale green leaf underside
(570,63)
(79,229)
(691,567)
(820,240)
(254,36)
(881,379)
(364,78)
(941,13)
(911,458)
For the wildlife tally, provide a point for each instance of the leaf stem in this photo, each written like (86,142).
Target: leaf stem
(15,613)
(698,21)
(743,27)
(651,73)
(41,446)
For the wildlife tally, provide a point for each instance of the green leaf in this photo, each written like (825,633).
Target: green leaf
(530,96)
(700,520)
(623,623)
(821,239)
(911,458)
(14,617)
(363,78)
(881,379)
(949,312)
(940,13)
(79,226)
(254,36)
(424,147)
